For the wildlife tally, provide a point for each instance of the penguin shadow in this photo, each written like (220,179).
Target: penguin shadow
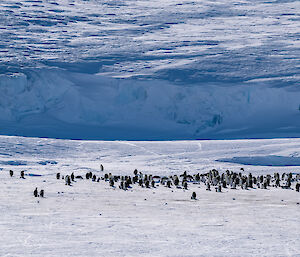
(184,200)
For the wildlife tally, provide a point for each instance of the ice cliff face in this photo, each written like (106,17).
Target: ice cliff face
(149,70)
(58,103)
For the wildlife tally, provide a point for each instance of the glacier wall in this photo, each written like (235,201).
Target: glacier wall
(58,103)
(134,69)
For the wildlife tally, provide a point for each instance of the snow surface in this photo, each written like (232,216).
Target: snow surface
(145,70)
(102,69)
(92,219)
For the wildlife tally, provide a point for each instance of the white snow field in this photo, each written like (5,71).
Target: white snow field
(148,70)
(140,70)
(93,219)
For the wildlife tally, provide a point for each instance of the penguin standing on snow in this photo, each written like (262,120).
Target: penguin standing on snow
(106,176)
(219,189)
(35,192)
(176,181)
(121,186)
(193,197)
(68,180)
(185,185)
(42,193)
(111,182)
(153,183)
(22,174)
(11,173)
(207,186)
(141,183)
(224,184)
(169,184)
(147,184)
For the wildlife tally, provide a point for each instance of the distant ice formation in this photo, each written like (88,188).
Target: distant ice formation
(99,69)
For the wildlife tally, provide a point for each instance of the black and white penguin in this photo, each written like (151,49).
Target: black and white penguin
(233,186)
(121,185)
(169,184)
(277,182)
(35,192)
(224,184)
(141,182)
(68,180)
(264,185)
(153,183)
(147,184)
(193,197)
(129,180)
(111,182)
(185,185)
(135,179)
(176,181)
(207,186)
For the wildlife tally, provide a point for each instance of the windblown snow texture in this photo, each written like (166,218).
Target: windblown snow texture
(94,219)
(103,69)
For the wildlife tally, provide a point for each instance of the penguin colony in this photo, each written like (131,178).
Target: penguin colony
(212,180)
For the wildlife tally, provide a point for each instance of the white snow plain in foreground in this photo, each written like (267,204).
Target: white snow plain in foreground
(93,219)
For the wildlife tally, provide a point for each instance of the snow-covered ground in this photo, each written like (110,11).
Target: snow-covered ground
(93,219)
(140,70)
(148,70)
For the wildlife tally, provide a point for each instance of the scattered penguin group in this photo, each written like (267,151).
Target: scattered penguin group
(212,179)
